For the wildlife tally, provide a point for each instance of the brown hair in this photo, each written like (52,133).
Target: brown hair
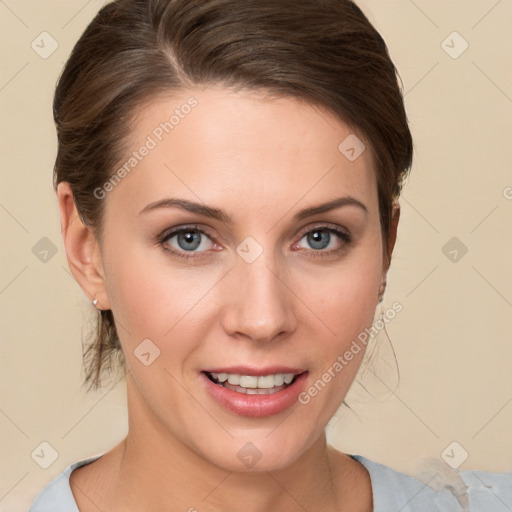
(325,52)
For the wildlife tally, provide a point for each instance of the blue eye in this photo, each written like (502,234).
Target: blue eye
(321,238)
(188,239)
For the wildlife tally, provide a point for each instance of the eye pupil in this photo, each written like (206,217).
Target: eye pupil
(319,239)
(189,237)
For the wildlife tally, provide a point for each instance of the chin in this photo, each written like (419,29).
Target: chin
(263,451)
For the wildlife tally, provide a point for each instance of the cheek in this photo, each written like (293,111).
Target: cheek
(144,302)
(345,307)
(344,302)
(152,299)
(345,298)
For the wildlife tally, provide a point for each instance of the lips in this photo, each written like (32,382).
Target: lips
(254,400)
(248,370)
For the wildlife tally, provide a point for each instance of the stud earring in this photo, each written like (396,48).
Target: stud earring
(382,289)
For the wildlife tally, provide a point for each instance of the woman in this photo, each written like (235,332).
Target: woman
(228,176)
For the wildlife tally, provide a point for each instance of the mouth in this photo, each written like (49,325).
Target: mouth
(255,395)
(253,384)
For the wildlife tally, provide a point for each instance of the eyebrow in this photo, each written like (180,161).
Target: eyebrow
(220,215)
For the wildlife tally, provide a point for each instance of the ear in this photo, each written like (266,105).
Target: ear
(395,218)
(82,249)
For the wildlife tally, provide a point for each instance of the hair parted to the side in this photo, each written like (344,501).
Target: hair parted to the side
(324,52)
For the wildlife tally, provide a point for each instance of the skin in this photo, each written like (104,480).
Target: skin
(260,161)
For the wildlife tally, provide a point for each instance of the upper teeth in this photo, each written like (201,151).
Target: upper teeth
(253,381)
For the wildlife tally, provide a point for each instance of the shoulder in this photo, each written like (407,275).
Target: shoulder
(438,488)
(393,490)
(57,495)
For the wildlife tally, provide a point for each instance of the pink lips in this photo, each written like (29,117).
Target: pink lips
(255,405)
(246,370)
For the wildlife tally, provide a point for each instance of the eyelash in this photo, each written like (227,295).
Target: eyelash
(315,254)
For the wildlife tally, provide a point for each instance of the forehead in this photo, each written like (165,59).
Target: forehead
(220,146)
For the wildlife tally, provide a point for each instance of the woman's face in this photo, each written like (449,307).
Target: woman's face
(255,281)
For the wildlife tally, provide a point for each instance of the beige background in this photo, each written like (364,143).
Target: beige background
(452,340)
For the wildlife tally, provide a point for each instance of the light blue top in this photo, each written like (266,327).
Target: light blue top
(471,491)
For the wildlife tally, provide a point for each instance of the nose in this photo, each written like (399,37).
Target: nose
(259,304)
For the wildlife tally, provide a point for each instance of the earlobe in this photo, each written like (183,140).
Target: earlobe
(82,249)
